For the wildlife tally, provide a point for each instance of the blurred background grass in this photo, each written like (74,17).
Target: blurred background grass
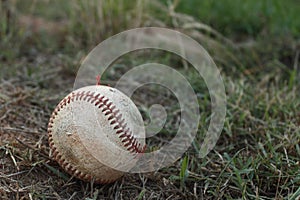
(237,18)
(255,44)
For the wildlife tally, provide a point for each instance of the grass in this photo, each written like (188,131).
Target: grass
(255,44)
(239,18)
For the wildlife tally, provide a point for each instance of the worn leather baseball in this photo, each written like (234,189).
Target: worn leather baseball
(96,133)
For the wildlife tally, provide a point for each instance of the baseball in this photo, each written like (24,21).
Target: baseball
(96,133)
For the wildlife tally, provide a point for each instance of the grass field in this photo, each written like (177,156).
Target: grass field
(256,46)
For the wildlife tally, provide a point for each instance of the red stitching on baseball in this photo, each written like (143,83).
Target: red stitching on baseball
(114,118)
(69,168)
(109,110)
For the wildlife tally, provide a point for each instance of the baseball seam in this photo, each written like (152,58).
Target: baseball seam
(115,119)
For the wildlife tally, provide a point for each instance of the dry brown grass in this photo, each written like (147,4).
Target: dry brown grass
(27,172)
